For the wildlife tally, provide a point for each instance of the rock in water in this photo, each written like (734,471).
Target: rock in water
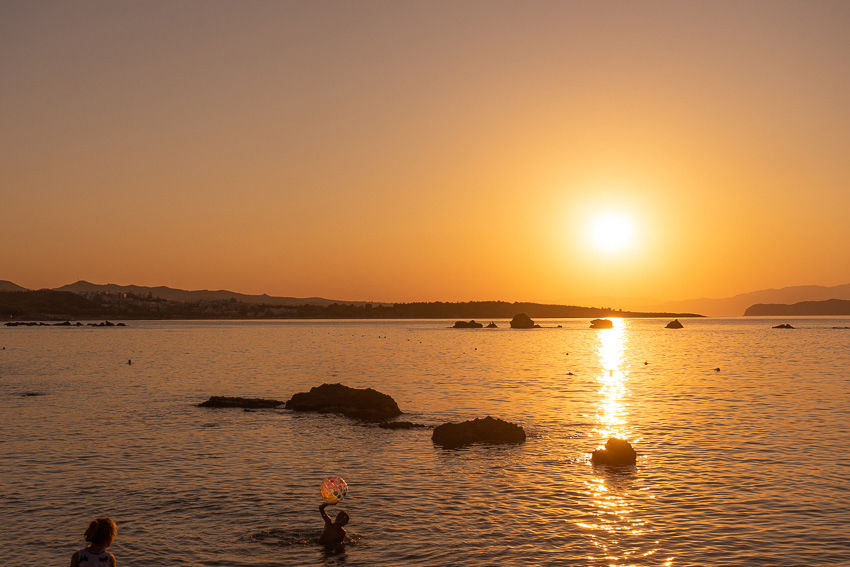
(226,402)
(601,324)
(617,452)
(784,326)
(522,321)
(487,430)
(401,425)
(467,325)
(364,404)
(674,324)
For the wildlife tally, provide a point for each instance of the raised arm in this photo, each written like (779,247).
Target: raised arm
(325,514)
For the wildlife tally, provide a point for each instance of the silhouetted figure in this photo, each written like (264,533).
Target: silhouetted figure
(333,533)
(100,535)
(129,362)
(717,370)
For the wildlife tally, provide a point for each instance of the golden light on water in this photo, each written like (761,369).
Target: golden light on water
(616,526)
(611,417)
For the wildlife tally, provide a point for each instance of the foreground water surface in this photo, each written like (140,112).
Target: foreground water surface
(745,465)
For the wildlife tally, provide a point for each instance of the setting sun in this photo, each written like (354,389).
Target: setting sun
(612,232)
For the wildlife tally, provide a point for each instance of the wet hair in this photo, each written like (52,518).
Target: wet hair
(101,531)
(341,518)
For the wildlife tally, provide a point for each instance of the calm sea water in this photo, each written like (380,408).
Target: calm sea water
(748,465)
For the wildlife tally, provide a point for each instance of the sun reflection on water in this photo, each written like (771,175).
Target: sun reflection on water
(615,523)
(611,418)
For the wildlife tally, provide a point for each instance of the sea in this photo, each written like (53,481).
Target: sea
(742,433)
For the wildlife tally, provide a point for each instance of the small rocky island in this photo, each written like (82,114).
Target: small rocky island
(362,404)
(617,453)
(488,430)
(523,321)
(467,325)
(674,324)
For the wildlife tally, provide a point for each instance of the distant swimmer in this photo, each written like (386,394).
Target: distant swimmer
(717,370)
(645,363)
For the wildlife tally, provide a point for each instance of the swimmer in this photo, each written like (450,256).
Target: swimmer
(333,533)
(100,534)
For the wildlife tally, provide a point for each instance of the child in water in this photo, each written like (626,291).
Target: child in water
(333,532)
(99,534)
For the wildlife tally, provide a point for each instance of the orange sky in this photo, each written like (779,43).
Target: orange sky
(400,151)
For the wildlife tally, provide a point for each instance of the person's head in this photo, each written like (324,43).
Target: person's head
(101,532)
(341,518)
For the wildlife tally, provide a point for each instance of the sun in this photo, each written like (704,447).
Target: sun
(611,232)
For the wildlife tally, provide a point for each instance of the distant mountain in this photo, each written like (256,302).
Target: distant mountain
(737,305)
(199,295)
(6,285)
(803,308)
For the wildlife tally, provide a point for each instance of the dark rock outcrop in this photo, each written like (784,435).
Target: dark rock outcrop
(674,324)
(492,325)
(601,324)
(228,402)
(523,321)
(400,425)
(467,325)
(488,430)
(617,453)
(364,404)
(783,326)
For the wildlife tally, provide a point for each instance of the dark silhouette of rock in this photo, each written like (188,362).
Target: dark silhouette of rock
(467,325)
(363,404)
(523,321)
(601,324)
(617,453)
(492,325)
(32,394)
(400,425)
(228,402)
(783,326)
(487,430)
(674,324)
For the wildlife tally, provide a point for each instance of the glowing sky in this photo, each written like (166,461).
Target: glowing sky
(401,151)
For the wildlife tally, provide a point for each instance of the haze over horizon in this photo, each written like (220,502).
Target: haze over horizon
(436,151)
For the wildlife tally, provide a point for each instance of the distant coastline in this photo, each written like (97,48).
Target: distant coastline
(51,305)
(802,308)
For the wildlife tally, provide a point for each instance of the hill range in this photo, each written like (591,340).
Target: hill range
(93,301)
(737,306)
(732,306)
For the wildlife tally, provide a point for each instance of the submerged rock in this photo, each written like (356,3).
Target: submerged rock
(523,321)
(674,324)
(601,324)
(617,452)
(364,404)
(400,425)
(228,402)
(467,325)
(488,430)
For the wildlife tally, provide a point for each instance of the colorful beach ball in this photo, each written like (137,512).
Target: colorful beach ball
(333,489)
